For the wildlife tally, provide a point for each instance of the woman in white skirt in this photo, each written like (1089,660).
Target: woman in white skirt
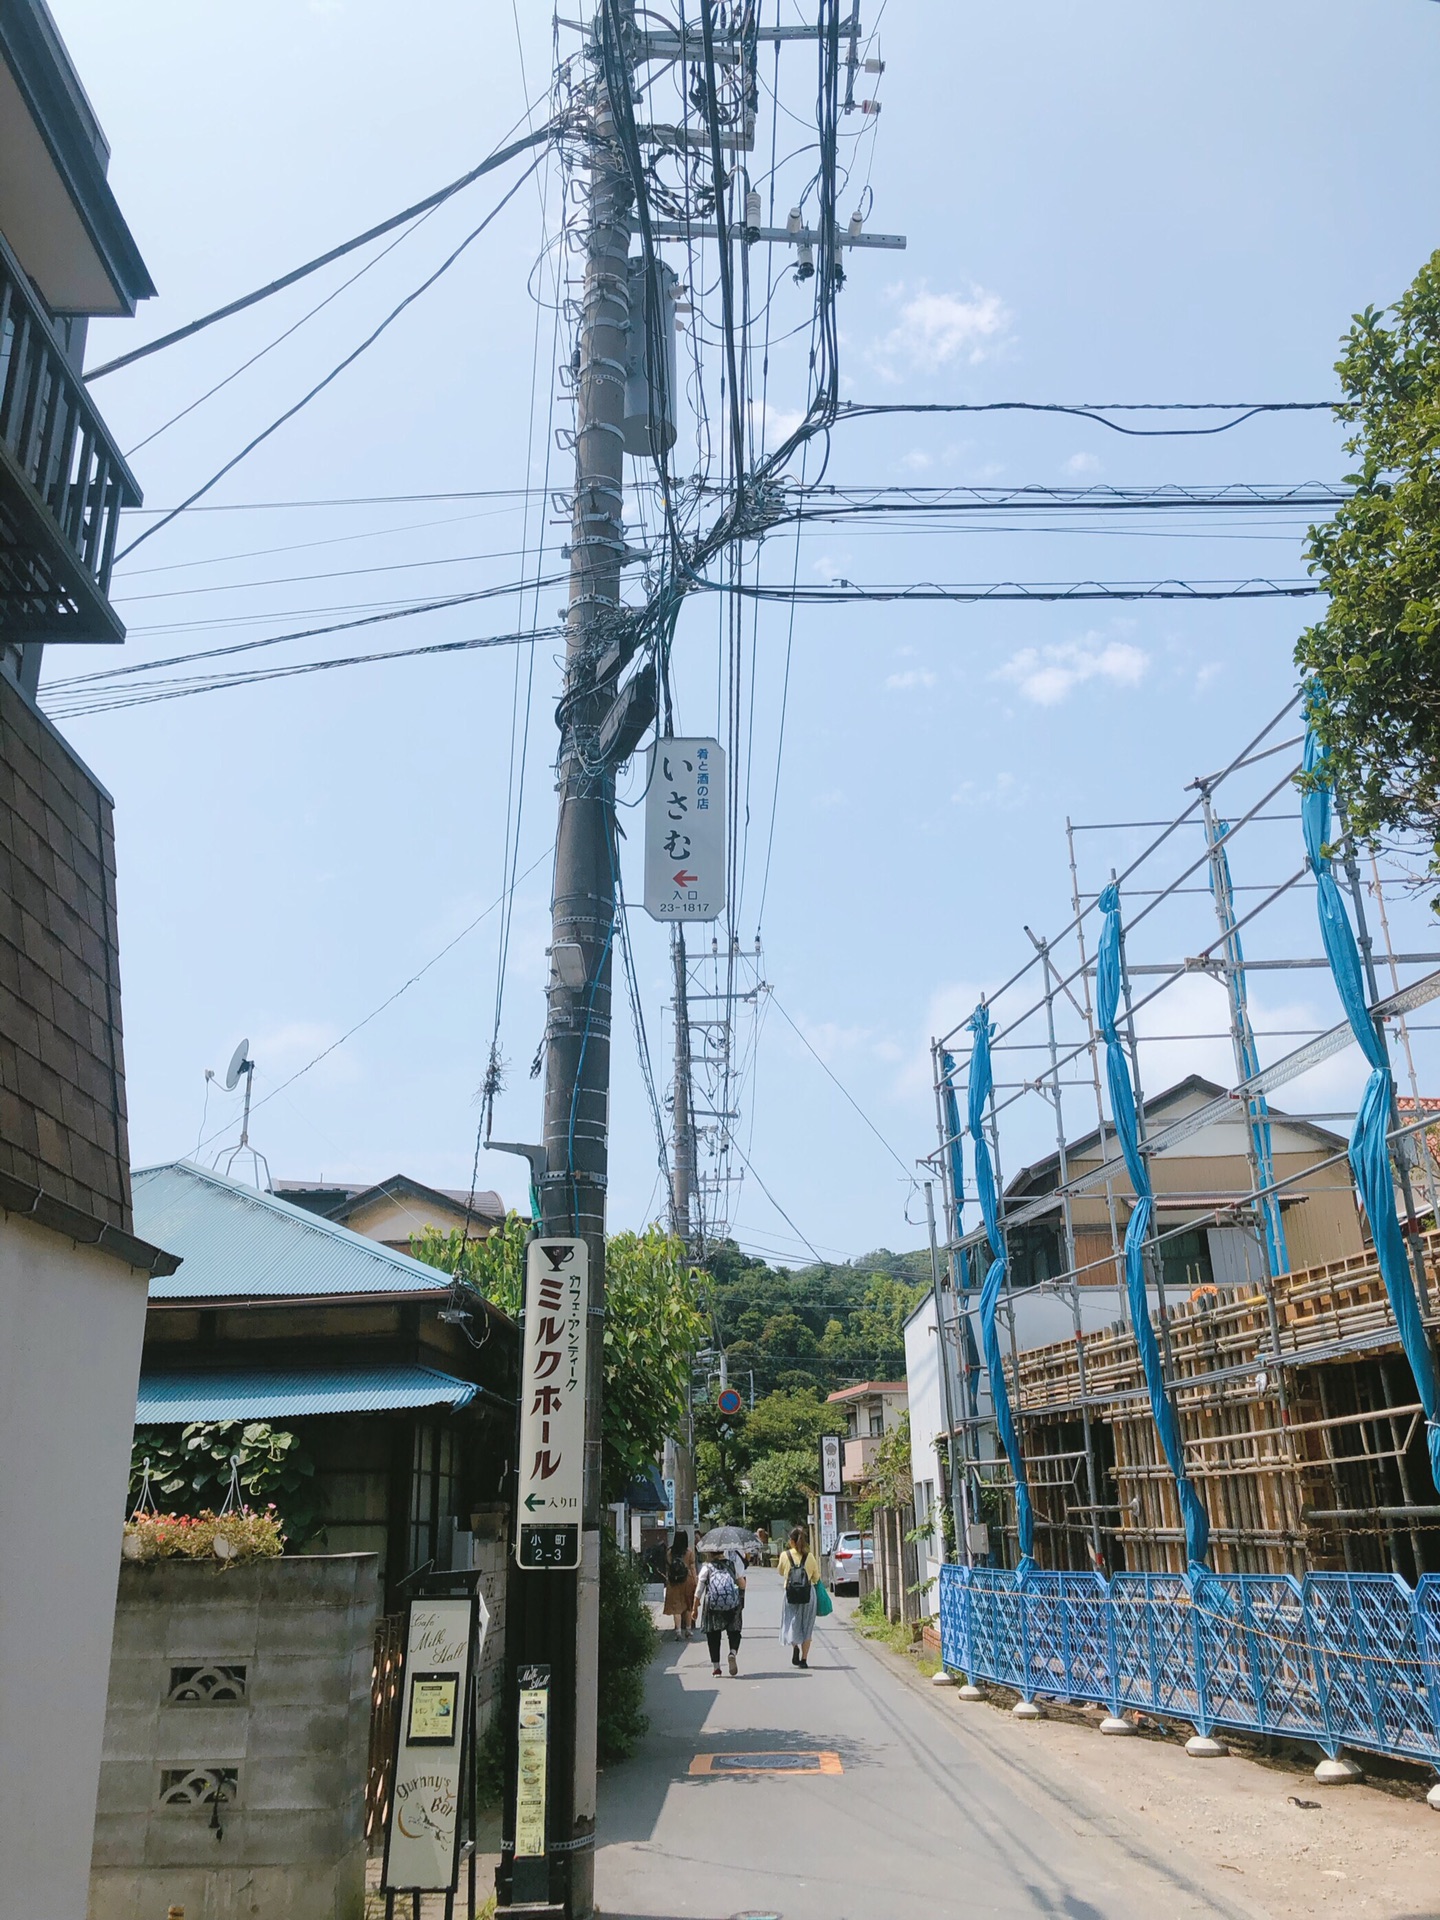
(800,1571)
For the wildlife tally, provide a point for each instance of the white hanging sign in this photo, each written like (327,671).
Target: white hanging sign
(685,831)
(552,1403)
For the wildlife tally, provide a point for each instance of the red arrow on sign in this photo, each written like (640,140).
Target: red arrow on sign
(683,879)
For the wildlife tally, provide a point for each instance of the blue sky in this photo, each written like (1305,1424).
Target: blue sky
(1123,202)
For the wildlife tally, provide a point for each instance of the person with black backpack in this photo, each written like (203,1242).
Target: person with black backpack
(720,1601)
(800,1571)
(680,1585)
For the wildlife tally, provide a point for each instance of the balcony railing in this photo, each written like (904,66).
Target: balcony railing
(63,482)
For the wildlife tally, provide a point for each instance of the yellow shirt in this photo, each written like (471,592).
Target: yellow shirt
(790,1558)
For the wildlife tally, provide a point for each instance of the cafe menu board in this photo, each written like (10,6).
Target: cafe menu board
(534,1731)
(422,1839)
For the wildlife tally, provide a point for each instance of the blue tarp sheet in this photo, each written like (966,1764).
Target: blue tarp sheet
(1110,978)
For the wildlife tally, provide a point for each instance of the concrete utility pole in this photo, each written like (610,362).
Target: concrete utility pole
(553,1618)
(682,1121)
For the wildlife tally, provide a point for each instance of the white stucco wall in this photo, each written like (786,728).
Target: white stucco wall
(927,1419)
(71,1324)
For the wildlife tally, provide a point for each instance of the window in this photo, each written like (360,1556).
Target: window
(432,1487)
(877,1422)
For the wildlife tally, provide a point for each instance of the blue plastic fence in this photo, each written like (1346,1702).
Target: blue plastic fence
(1341,1659)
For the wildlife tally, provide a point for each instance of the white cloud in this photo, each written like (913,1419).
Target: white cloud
(771,424)
(912,677)
(935,330)
(1208,674)
(917,461)
(1048,675)
(1082,463)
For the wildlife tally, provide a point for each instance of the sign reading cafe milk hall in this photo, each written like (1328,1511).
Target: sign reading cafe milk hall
(552,1403)
(685,830)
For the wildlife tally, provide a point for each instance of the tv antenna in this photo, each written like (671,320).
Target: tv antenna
(241,1065)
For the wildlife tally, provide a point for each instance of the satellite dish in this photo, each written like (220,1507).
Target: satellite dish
(239,1061)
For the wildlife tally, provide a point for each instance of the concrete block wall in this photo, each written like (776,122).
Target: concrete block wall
(255,1677)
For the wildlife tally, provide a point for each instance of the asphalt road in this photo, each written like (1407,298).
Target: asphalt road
(923,1820)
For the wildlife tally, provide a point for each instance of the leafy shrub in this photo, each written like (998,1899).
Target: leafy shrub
(190,1471)
(627,1645)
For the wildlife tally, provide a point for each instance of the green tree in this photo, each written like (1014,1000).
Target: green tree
(653,1324)
(781,1484)
(791,1420)
(1373,660)
(491,1262)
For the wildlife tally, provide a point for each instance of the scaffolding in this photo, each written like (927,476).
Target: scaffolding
(1298,1415)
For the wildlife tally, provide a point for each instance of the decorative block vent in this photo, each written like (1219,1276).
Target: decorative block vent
(213,1685)
(198,1786)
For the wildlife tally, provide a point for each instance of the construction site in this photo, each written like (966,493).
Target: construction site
(1283,1417)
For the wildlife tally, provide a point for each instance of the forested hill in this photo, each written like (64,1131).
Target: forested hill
(821,1326)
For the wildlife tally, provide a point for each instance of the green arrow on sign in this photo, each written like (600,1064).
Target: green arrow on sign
(534,1500)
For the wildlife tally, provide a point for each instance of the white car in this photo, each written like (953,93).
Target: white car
(852,1552)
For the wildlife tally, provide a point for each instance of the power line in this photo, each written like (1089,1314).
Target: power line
(1097,411)
(391,998)
(406,612)
(108,700)
(489,165)
(908,1173)
(845,590)
(337,370)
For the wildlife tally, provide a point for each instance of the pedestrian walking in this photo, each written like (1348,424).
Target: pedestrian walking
(720,1601)
(680,1580)
(800,1570)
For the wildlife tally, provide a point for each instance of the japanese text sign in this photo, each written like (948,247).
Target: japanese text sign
(685,831)
(830,1480)
(443,1642)
(552,1402)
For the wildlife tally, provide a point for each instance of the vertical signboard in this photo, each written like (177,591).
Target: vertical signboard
(422,1835)
(830,1470)
(552,1403)
(533,1763)
(685,831)
(829,1530)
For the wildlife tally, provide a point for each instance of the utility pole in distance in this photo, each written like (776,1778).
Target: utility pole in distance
(553,1615)
(682,1113)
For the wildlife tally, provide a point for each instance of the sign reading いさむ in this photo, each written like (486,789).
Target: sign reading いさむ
(552,1403)
(685,830)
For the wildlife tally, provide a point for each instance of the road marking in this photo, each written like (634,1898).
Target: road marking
(713,1763)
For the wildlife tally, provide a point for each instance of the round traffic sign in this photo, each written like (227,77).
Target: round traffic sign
(729,1400)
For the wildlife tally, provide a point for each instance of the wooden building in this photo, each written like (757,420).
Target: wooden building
(1302,1429)
(403,1393)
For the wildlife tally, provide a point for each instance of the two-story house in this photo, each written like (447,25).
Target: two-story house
(73,1273)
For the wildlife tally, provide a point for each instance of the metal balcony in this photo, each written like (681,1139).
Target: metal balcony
(63,482)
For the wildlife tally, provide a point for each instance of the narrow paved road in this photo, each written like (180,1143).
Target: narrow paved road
(923,1822)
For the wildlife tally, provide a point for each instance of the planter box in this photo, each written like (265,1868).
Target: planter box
(236,1741)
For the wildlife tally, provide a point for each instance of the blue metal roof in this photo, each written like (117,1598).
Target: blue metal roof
(264,1393)
(240,1244)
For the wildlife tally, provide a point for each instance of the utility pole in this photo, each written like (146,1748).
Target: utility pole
(553,1616)
(682,1127)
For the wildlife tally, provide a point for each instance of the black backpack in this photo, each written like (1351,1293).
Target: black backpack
(677,1573)
(797,1583)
